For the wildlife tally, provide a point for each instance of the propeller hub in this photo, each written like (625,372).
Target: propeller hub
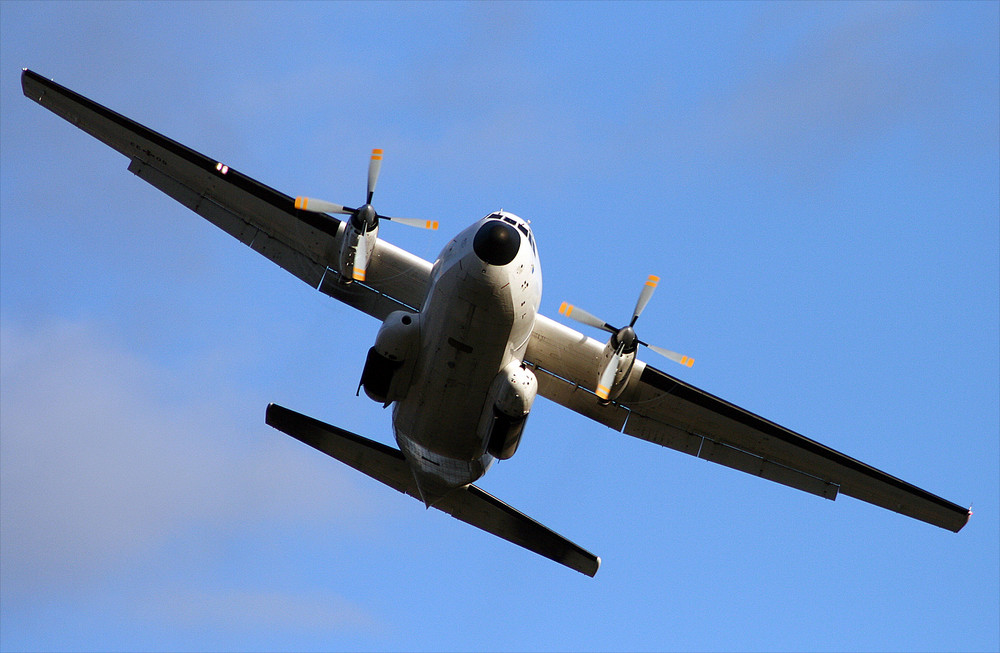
(626,339)
(364,219)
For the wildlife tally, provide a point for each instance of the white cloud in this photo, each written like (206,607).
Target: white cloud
(854,80)
(101,461)
(256,611)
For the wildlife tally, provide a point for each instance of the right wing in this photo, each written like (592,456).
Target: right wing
(306,244)
(659,408)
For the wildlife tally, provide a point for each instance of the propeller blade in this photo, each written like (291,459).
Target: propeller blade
(647,292)
(360,259)
(374,166)
(367,213)
(672,355)
(413,222)
(608,377)
(584,317)
(314,205)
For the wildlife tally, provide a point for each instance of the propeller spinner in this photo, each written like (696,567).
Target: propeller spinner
(624,339)
(364,220)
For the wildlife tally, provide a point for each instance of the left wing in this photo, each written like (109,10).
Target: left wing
(306,244)
(657,407)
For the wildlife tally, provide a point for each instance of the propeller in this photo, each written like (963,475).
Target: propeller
(366,214)
(360,269)
(625,337)
(364,219)
(374,167)
(608,375)
(319,206)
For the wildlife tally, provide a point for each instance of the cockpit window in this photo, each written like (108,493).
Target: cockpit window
(524,230)
(509,220)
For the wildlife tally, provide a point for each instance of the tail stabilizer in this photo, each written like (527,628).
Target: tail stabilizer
(469,504)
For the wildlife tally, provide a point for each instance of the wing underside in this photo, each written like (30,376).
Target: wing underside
(303,243)
(664,410)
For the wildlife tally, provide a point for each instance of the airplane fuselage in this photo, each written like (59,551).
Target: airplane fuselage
(475,323)
(454,368)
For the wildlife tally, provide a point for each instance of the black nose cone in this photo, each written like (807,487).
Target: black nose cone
(496,243)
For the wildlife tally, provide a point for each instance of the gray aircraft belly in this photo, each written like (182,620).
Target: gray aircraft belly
(466,325)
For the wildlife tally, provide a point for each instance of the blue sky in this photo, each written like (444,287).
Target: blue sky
(815,184)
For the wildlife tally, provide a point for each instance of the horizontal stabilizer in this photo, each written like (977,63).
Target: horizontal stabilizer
(468,504)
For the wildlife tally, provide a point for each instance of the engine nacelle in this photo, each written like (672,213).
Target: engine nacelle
(622,374)
(357,243)
(389,367)
(511,397)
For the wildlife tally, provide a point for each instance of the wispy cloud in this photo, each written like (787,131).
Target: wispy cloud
(100,461)
(265,610)
(862,76)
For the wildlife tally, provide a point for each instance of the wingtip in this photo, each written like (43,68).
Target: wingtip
(959,526)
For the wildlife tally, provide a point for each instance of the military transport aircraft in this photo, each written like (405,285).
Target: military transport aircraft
(463,352)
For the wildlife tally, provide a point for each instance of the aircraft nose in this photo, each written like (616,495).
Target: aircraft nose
(496,243)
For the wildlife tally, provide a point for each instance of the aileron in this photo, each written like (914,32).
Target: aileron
(678,406)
